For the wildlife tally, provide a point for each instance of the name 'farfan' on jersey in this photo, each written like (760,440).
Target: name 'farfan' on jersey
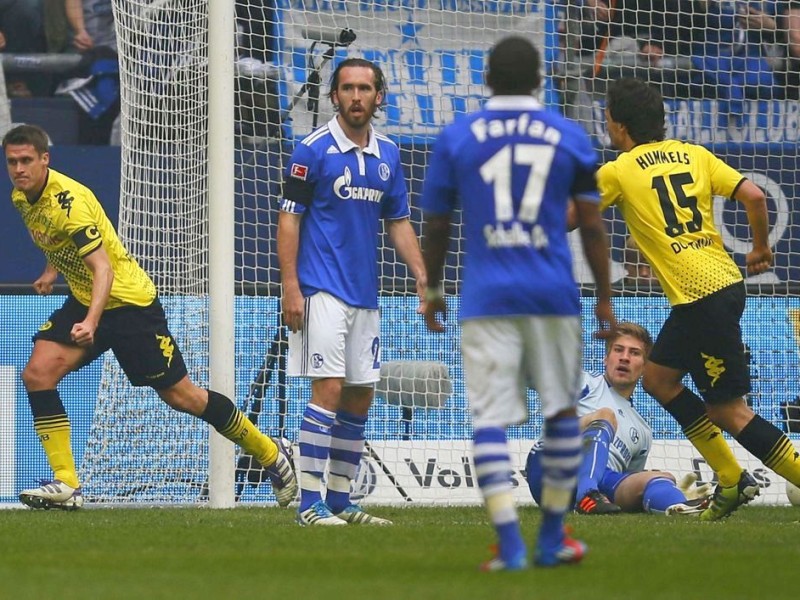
(512,167)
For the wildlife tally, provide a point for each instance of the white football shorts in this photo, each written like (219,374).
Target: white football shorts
(503,356)
(337,340)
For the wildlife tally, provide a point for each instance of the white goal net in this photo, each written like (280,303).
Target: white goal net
(433,56)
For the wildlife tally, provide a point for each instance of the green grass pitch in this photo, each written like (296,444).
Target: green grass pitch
(429,553)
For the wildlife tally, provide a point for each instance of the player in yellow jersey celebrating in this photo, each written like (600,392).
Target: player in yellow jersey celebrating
(112,304)
(664,190)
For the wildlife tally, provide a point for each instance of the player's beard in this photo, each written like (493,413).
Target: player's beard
(357,120)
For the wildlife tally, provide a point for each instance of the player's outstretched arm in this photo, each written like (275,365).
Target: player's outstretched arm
(595,248)
(755,203)
(435,239)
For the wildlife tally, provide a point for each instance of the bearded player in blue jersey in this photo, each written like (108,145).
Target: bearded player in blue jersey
(512,167)
(341,182)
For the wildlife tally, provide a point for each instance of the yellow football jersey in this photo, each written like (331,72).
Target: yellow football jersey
(665,192)
(67,223)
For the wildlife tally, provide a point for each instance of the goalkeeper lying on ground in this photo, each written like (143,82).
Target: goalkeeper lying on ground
(617,439)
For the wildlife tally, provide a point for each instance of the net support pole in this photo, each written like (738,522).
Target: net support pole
(221,463)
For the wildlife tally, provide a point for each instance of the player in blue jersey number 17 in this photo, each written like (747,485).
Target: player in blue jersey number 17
(512,167)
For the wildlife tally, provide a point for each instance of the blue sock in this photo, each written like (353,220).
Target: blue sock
(596,441)
(493,469)
(561,458)
(661,493)
(533,472)
(347,446)
(314,441)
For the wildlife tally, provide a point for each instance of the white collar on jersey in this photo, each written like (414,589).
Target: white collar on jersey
(513,103)
(345,143)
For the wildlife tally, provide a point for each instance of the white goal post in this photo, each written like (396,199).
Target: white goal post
(215,93)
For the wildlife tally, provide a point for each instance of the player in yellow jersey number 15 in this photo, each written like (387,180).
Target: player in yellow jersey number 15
(664,190)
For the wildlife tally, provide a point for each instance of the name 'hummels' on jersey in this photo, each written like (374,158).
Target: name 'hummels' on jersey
(520,163)
(659,157)
(665,191)
(67,223)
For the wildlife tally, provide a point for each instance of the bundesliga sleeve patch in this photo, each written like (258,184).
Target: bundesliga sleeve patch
(299,171)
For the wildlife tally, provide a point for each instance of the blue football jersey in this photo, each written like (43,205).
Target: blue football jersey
(634,437)
(343,192)
(512,167)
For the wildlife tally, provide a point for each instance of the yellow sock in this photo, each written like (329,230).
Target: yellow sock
(770,445)
(709,441)
(785,461)
(240,430)
(54,435)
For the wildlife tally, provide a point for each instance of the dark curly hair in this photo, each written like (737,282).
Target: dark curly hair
(638,106)
(379,79)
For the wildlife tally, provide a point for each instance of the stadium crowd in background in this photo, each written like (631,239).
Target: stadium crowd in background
(714,49)
(617,441)
(94,83)
(520,307)
(664,190)
(112,304)
(342,180)
(22,32)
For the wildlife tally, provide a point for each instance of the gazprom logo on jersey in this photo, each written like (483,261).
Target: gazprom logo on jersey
(345,191)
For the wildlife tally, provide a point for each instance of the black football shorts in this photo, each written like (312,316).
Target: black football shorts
(138,336)
(705,339)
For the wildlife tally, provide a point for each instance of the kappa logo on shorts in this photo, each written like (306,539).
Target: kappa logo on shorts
(45,326)
(715,367)
(166,346)
(316,360)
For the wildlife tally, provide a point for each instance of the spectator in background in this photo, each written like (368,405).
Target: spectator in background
(92,23)
(94,84)
(603,41)
(256,22)
(790,21)
(258,98)
(22,32)
(730,57)
(56,27)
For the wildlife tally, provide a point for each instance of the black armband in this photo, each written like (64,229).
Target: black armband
(298,191)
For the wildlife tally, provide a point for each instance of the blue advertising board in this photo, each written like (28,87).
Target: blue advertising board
(769,328)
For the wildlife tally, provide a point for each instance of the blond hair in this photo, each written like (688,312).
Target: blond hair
(633,330)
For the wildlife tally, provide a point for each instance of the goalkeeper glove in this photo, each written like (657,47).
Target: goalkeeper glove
(688,486)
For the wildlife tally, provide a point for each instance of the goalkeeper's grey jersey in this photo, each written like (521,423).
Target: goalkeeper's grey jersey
(631,444)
